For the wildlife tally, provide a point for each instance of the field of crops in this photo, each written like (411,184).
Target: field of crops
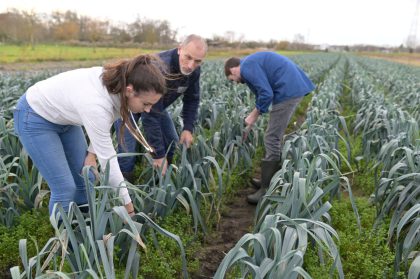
(359,141)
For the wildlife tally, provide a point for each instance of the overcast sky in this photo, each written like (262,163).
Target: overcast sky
(379,22)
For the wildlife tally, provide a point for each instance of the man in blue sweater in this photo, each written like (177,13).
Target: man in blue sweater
(183,66)
(278,82)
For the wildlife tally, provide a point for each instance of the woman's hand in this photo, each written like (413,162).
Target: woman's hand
(90,160)
(130,209)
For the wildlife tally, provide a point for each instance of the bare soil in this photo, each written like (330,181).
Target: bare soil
(236,221)
(412,59)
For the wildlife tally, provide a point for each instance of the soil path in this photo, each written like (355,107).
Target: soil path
(235,223)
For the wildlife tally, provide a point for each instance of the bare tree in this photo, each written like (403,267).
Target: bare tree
(65,26)
(120,33)
(151,31)
(93,30)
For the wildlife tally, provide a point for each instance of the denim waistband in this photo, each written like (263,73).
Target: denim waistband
(23,103)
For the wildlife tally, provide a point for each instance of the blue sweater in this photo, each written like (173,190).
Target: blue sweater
(178,85)
(273,78)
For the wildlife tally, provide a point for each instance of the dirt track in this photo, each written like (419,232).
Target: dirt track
(235,223)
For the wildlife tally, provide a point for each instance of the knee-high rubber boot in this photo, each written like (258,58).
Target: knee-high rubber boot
(268,169)
(256,182)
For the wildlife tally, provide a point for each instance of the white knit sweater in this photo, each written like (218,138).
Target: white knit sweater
(78,97)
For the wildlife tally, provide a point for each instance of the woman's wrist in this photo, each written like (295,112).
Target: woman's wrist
(130,208)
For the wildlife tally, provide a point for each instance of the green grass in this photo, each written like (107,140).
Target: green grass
(41,53)
(165,261)
(32,224)
(359,251)
(44,53)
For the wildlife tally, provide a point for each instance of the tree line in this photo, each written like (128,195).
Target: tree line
(28,27)
(22,27)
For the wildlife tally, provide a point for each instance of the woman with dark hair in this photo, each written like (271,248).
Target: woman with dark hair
(49,118)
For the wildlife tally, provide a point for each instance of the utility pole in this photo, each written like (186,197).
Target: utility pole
(412,36)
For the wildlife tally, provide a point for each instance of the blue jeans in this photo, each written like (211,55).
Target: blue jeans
(169,139)
(58,151)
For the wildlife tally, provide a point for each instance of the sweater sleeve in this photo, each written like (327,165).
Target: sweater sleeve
(191,102)
(255,76)
(97,123)
(153,131)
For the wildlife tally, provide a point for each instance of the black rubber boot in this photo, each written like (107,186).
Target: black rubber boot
(129,176)
(256,183)
(268,169)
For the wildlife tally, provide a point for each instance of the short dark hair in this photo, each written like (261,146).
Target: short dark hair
(231,63)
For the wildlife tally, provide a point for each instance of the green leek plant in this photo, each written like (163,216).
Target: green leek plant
(277,249)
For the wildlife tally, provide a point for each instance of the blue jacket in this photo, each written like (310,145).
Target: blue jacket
(178,85)
(273,78)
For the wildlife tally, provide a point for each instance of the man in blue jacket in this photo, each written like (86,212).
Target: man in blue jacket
(183,66)
(278,82)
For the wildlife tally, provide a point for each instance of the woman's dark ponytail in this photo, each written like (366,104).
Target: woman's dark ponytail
(144,73)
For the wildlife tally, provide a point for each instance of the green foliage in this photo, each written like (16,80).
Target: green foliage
(313,266)
(237,180)
(364,255)
(364,182)
(164,261)
(33,224)
(364,179)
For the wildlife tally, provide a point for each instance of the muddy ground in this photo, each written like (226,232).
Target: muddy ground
(236,221)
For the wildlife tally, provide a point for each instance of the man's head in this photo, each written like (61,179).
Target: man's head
(233,69)
(192,52)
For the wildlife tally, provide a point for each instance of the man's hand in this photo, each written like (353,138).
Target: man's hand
(246,133)
(252,118)
(186,138)
(161,163)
